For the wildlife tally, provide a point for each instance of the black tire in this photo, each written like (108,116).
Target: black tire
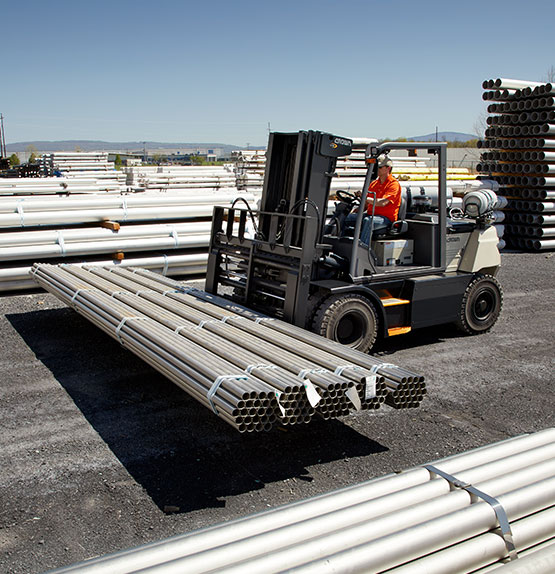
(481,305)
(348,319)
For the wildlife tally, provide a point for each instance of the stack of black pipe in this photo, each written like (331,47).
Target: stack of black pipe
(519,152)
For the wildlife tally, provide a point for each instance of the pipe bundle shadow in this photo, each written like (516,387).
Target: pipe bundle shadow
(184,456)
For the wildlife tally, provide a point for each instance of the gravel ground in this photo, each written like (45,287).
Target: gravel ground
(98,452)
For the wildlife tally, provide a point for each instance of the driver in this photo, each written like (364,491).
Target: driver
(388,200)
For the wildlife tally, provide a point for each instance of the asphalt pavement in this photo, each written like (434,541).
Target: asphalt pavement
(99,452)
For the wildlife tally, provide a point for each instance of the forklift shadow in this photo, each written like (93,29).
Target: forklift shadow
(184,456)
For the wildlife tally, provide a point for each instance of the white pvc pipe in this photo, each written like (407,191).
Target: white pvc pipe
(226,534)
(75,249)
(26,205)
(392,550)
(17,278)
(21,238)
(485,549)
(505,83)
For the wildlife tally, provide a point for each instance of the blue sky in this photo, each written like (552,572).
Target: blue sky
(215,71)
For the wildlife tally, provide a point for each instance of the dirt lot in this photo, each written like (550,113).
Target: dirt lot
(98,452)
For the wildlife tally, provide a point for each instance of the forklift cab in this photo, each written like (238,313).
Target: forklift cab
(419,233)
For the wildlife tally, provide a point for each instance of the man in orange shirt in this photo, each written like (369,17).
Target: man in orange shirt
(387,202)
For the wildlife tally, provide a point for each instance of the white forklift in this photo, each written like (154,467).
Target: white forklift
(435,265)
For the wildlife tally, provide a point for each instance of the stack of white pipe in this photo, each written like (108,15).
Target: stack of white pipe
(189,337)
(173,237)
(71,162)
(416,521)
(249,169)
(179,177)
(60,185)
(518,160)
(40,245)
(187,263)
(351,170)
(18,212)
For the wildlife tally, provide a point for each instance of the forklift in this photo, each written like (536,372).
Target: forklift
(293,260)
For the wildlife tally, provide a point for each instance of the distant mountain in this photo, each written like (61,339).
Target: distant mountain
(96,145)
(445,137)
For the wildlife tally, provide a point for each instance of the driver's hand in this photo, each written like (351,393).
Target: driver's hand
(358,194)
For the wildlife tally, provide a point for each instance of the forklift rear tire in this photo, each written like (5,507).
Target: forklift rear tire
(348,319)
(481,305)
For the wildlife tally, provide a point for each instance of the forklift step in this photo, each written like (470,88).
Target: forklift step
(390,301)
(398,331)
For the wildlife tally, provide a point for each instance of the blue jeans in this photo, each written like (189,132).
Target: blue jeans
(380,223)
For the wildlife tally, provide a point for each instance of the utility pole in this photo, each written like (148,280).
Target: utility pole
(2,138)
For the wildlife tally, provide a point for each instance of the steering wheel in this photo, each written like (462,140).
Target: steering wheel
(346,196)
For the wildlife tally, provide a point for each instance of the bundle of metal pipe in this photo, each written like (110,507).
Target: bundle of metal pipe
(473,510)
(157,318)
(519,141)
(404,388)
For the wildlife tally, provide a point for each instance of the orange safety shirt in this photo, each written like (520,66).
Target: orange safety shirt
(391,189)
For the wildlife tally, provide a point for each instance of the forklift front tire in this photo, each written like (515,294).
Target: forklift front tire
(481,305)
(348,319)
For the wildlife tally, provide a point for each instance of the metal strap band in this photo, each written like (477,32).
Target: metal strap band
(166,292)
(341,368)
(249,369)
(375,368)
(259,319)
(180,328)
(124,206)
(79,291)
(179,289)
(500,513)
(122,323)
(302,374)
(175,237)
(21,214)
(216,385)
(166,263)
(60,242)
(122,293)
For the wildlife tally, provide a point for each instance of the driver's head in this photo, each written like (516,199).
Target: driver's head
(385,165)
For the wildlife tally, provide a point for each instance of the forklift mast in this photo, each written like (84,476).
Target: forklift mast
(274,269)
(299,168)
